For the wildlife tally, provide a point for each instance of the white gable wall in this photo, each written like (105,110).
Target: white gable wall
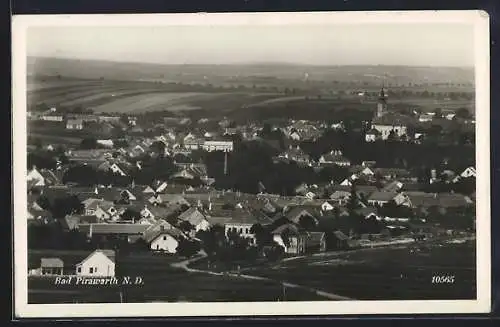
(97,264)
(164,242)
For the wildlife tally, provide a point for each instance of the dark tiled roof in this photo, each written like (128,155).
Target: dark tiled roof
(51,263)
(393,119)
(382,196)
(130,229)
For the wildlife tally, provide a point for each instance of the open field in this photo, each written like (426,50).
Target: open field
(136,97)
(392,273)
(255,73)
(161,284)
(385,274)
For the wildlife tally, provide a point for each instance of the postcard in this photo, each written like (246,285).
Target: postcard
(251,164)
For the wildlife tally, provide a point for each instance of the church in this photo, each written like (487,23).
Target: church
(385,122)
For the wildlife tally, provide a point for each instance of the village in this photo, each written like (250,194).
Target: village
(243,194)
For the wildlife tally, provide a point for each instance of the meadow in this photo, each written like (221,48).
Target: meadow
(138,96)
(384,274)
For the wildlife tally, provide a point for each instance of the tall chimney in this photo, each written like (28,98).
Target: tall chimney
(225,163)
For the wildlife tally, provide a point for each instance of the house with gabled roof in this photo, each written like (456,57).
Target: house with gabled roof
(357,171)
(158,212)
(165,240)
(295,213)
(392,173)
(291,238)
(51,266)
(196,218)
(295,154)
(120,168)
(394,186)
(192,171)
(372,135)
(340,197)
(469,172)
(327,205)
(380,198)
(39,215)
(166,199)
(42,177)
(334,157)
(102,209)
(392,123)
(315,242)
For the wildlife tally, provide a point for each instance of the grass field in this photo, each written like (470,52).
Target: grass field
(369,274)
(141,96)
(161,284)
(385,274)
(135,96)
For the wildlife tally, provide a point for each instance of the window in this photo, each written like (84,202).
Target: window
(241,230)
(91,270)
(95,269)
(164,238)
(79,269)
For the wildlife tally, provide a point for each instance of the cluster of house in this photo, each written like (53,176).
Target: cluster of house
(162,209)
(386,123)
(77,121)
(99,263)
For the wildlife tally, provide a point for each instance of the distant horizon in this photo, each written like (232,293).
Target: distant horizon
(245,63)
(412,44)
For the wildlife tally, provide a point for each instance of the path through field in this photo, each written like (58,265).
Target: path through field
(185,265)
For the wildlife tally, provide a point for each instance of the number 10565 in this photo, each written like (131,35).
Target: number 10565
(443,279)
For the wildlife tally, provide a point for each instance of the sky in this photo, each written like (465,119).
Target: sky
(354,44)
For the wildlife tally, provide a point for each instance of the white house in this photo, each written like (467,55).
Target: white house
(165,240)
(35,176)
(372,135)
(327,206)
(386,129)
(346,182)
(98,263)
(106,143)
(380,198)
(469,172)
(226,146)
(195,218)
(450,116)
(117,169)
(334,157)
(161,187)
(52,117)
(74,124)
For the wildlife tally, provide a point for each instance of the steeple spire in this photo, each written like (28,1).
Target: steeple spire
(382,102)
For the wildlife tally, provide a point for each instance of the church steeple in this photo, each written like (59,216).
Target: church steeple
(382,103)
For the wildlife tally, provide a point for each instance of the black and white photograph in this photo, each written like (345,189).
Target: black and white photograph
(251,164)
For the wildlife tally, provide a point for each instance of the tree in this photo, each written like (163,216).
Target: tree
(262,235)
(88,143)
(212,239)
(66,206)
(158,147)
(438,113)
(187,248)
(307,222)
(274,252)
(130,214)
(186,226)
(463,113)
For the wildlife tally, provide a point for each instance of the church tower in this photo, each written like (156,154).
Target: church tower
(382,103)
